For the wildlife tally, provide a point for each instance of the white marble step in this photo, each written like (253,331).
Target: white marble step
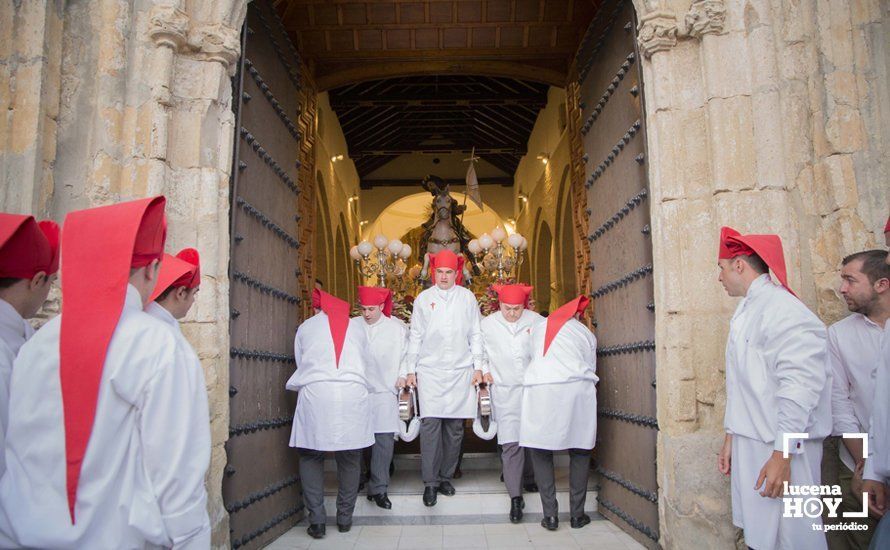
(480,497)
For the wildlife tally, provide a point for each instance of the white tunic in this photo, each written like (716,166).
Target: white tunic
(333,412)
(877,465)
(142,479)
(508,351)
(854,350)
(559,397)
(14,332)
(777,381)
(444,347)
(388,338)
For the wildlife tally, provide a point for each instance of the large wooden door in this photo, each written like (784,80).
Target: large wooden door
(610,156)
(269,270)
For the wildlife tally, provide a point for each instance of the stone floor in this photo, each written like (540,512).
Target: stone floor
(476,517)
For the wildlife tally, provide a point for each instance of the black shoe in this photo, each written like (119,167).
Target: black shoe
(550,523)
(580,521)
(446,489)
(457,473)
(316,530)
(429,496)
(344,527)
(516,506)
(530,487)
(381,500)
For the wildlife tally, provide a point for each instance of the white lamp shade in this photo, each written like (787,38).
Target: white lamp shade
(394,247)
(524,244)
(514,240)
(365,248)
(485,241)
(354,253)
(474,247)
(406,251)
(498,234)
(380,241)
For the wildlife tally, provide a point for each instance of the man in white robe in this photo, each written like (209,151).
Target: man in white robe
(559,407)
(388,340)
(107,446)
(333,412)
(445,360)
(854,352)
(777,383)
(29,259)
(877,465)
(506,335)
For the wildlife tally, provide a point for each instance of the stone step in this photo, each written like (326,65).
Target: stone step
(480,496)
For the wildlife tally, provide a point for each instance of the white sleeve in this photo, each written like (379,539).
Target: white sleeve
(800,352)
(476,346)
(175,432)
(415,336)
(843,415)
(403,346)
(298,358)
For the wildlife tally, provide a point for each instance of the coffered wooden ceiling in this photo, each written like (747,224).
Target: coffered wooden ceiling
(383,119)
(348,41)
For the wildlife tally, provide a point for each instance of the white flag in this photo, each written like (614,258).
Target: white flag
(473,184)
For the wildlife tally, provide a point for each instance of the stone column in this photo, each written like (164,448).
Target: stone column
(30,55)
(758,118)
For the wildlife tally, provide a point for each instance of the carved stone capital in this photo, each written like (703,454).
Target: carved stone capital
(660,30)
(703,17)
(168,26)
(216,42)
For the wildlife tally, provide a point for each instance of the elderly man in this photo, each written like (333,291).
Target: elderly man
(506,334)
(559,407)
(388,339)
(777,383)
(109,436)
(29,259)
(332,413)
(444,360)
(854,352)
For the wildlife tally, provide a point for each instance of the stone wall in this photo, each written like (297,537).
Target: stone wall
(766,116)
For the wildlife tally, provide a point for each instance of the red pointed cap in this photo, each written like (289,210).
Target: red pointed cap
(375,296)
(338,318)
(27,247)
(101,246)
(560,317)
(887,225)
(768,247)
(448,259)
(180,270)
(513,295)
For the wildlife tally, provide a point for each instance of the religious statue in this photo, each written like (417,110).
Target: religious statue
(445,229)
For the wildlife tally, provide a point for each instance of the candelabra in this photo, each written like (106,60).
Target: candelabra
(389,259)
(497,260)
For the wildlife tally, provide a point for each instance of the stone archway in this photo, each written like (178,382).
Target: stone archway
(340,251)
(324,243)
(565,266)
(718,83)
(543,246)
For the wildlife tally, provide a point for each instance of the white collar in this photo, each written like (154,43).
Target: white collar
(162,314)
(11,318)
